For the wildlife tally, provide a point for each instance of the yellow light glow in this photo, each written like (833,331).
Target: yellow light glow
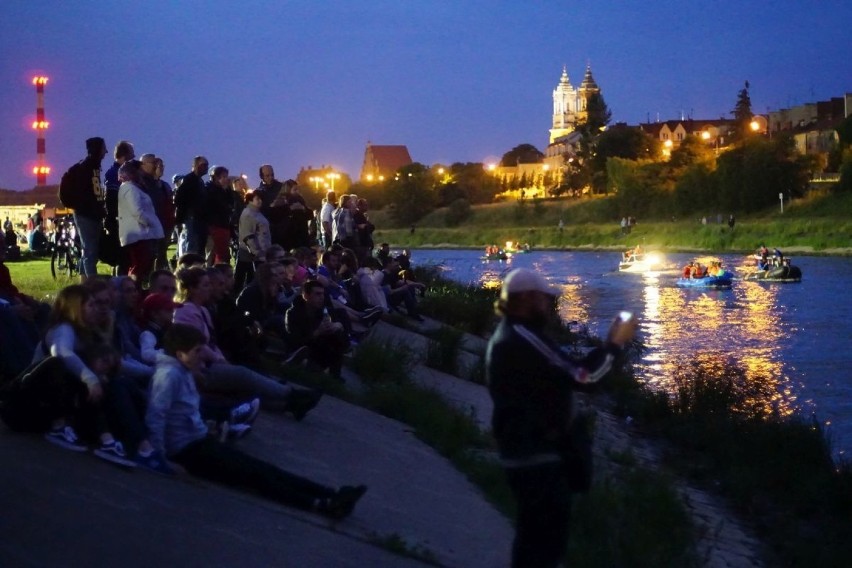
(39,80)
(668,143)
(754,125)
(705,135)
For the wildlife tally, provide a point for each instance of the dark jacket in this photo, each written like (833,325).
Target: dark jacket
(220,205)
(84,179)
(191,200)
(301,322)
(531,383)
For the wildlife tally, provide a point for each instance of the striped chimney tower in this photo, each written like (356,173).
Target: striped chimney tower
(40,125)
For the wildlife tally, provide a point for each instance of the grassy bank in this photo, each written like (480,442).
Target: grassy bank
(777,471)
(819,224)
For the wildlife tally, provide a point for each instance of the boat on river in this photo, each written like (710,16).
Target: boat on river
(720,281)
(784,273)
(642,262)
(500,255)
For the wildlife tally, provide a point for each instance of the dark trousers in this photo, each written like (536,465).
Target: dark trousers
(124,406)
(41,394)
(243,274)
(213,460)
(544,512)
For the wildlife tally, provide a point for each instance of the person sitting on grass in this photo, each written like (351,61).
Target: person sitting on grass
(178,430)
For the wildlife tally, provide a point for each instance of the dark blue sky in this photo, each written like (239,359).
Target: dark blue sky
(308,83)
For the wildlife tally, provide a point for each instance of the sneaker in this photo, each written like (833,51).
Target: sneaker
(66,437)
(238,431)
(302,401)
(114,452)
(342,503)
(297,356)
(245,413)
(155,463)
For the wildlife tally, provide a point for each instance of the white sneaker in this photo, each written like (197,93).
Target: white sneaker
(66,437)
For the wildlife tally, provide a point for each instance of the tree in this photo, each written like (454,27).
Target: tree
(411,195)
(521,154)
(598,114)
(690,151)
(742,114)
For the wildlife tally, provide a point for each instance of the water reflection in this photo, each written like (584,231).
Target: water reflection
(681,324)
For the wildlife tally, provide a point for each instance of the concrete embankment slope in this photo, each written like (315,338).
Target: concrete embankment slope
(65,509)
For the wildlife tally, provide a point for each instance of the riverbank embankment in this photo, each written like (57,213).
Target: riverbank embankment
(418,508)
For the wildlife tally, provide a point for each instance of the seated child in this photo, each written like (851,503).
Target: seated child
(176,428)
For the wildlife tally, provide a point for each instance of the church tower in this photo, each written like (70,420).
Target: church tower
(565,102)
(587,88)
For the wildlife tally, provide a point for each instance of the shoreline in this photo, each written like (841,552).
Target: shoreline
(797,250)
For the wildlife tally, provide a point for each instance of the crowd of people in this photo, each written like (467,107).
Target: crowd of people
(158,366)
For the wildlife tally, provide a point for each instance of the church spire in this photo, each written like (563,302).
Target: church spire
(588,83)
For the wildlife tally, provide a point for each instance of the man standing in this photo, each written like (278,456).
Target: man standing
(269,188)
(326,218)
(191,206)
(531,383)
(81,190)
(220,206)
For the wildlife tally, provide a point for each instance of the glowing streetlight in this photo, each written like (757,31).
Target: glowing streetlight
(491,167)
(754,125)
(440,171)
(332,176)
(705,135)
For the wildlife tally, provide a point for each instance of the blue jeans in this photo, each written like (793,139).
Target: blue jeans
(89,230)
(196,236)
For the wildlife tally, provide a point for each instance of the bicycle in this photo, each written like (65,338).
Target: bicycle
(66,250)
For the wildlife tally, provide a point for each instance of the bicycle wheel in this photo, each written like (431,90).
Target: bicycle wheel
(73,262)
(60,263)
(55,255)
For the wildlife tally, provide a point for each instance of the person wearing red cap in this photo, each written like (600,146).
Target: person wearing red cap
(537,429)
(157,312)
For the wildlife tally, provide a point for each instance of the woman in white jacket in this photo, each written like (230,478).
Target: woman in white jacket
(139,229)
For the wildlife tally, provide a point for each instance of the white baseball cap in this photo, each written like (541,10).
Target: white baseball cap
(524,280)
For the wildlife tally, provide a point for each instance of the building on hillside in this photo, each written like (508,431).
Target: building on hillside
(812,125)
(671,133)
(382,162)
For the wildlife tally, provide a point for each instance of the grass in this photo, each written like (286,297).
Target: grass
(819,222)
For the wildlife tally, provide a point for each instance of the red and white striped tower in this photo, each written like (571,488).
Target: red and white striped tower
(40,125)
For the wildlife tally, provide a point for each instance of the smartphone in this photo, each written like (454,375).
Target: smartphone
(625,316)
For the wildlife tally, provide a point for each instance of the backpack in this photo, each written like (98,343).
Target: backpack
(69,190)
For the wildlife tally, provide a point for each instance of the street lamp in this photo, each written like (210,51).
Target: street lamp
(332,176)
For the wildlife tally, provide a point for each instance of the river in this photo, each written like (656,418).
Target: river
(796,336)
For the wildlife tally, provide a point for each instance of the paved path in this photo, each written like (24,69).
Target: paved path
(65,509)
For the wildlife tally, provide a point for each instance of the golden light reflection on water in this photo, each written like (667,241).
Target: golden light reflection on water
(678,324)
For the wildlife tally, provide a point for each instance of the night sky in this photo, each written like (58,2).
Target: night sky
(309,83)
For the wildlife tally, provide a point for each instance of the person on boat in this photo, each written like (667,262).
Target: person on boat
(637,252)
(687,270)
